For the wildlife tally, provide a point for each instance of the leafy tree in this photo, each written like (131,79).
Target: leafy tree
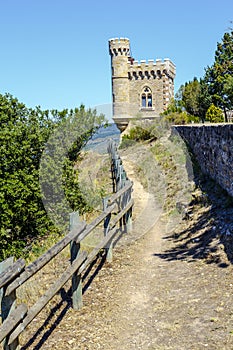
(219,75)
(179,99)
(190,97)
(216,87)
(214,114)
(204,99)
(58,176)
(23,133)
(177,118)
(175,106)
(228,89)
(23,137)
(176,112)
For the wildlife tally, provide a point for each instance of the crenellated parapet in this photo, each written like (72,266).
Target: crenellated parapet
(119,46)
(151,69)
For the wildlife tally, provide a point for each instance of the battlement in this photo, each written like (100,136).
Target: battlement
(166,63)
(119,46)
(151,68)
(119,40)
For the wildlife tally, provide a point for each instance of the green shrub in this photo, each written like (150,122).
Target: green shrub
(139,133)
(193,119)
(177,118)
(214,114)
(126,142)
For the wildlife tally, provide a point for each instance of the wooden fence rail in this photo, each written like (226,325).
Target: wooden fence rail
(116,217)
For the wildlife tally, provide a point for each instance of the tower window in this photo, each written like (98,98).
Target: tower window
(143,100)
(149,100)
(146,97)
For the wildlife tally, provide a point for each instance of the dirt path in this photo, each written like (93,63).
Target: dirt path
(155,295)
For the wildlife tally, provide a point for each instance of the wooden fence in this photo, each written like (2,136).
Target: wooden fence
(115,218)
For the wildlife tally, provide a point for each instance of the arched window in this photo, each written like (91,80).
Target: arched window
(144,100)
(146,97)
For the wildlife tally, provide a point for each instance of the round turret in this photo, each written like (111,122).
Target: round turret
(119,50)
(119,46)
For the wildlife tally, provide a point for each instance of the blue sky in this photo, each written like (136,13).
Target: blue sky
(54,53)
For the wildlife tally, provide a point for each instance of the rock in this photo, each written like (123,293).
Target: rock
(182,208)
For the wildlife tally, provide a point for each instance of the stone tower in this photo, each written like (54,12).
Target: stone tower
(120,53)
(139,89)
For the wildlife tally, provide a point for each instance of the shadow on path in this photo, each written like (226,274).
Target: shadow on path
(63,307)
(207,231)
(59,311)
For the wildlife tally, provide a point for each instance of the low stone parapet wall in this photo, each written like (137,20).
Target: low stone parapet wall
(212,146)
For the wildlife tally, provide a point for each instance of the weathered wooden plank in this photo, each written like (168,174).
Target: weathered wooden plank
(11,272)
(8,303)
(90,227)
(109,255)
(34,267)
(76,278)
(49,294)
(6,263)
(129,221)
(122,213)
(111,233)
(108,218)
(115,196)
(3,266)
(106,229)
(12,320)
(92,255)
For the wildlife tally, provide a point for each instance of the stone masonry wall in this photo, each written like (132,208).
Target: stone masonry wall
(212,146)
(159,77)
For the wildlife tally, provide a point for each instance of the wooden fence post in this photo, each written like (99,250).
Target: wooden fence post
(106,228)
(8,304)
(128,215)
(119,173)
(124,177)
(77,301)
(113,176)
(125,199)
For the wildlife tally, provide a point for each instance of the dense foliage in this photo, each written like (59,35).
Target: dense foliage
(218,76)
(23,137)
(190,97)
(215,88)
(214,114)
(144,131)
(176,114)
(136,133)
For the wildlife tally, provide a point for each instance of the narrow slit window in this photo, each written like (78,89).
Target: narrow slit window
(144,100)
(149,100)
